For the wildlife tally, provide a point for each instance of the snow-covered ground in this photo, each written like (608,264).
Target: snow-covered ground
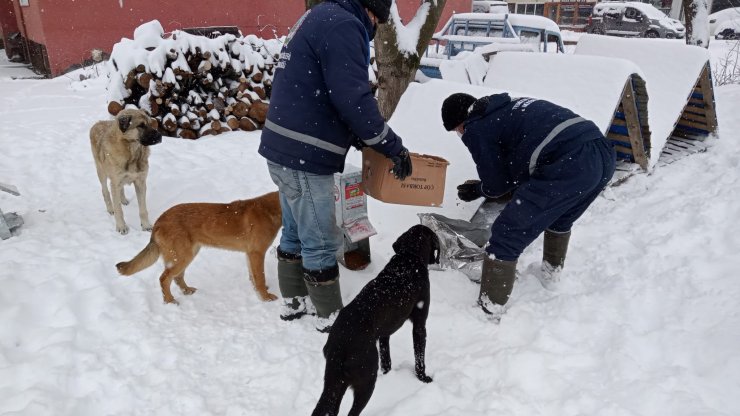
(646,322)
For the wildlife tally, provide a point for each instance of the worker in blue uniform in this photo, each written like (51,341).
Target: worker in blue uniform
(549,161)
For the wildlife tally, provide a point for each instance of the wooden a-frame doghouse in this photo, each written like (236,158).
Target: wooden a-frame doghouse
(677,78)
(697,121)
(630,128)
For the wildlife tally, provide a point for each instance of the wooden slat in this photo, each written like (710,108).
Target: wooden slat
(696,101)
(633,125)
(622,149)
(706,86)
(618,137)
(692,116)
(687,135)
(619,122)
(687,123)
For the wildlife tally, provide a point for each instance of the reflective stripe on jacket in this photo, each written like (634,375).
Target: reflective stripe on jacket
(509,139)
(321,99)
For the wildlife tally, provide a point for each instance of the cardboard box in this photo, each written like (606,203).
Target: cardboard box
(424,187)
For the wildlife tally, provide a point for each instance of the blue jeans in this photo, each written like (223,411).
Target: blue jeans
(309,221)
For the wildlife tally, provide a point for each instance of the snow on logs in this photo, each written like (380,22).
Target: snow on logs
(193,85)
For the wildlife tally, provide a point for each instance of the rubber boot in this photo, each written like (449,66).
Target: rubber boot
(496,284)
(553,258)
(326,295)
(292,286)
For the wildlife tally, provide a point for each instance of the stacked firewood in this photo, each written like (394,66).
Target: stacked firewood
(193,85)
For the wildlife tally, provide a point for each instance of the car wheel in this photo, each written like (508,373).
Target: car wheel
(651,34)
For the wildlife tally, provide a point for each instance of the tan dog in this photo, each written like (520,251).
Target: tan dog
(121,153)
(248,226)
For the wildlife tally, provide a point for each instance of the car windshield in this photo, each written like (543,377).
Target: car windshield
(650,11)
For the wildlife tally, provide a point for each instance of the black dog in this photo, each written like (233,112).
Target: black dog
(400,292)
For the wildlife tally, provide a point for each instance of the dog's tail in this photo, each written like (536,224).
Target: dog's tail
(144,259)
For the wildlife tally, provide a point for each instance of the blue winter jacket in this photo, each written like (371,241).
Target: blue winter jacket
(509,139)
(321,99)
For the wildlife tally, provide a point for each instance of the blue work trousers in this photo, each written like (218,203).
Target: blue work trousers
(554,197)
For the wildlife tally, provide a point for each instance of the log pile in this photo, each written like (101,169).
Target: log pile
(193,85)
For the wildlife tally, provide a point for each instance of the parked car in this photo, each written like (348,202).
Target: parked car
(465,32)
(633,19)
(490,7)
(728,30)
(717,18)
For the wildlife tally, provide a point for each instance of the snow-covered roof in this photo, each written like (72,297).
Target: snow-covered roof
(591,86)
(647,9)
(729,13)
(538,22)
(670,69)
(477,39)
(423,101)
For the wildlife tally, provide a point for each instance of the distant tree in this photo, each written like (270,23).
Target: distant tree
(398,51)
(696,13)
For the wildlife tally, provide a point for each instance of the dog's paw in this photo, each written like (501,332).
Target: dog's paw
(385,369)
(189,290)
(267,297)
(123,229)
(146,227)
(110,211)
(124,200)
(424,378)
(171,301)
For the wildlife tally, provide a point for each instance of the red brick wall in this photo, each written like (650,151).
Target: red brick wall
(70,30)
(8,22)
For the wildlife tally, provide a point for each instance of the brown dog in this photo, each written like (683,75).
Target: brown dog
(248,226)
(120,148)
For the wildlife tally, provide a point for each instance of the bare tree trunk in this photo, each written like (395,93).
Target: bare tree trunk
(697,22)
(396,70)
(311,3)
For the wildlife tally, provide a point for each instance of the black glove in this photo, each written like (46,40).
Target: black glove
(469,191)
(401,165)
(357,143)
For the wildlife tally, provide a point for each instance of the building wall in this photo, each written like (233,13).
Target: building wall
(8,22)
(30,20)
(70,30)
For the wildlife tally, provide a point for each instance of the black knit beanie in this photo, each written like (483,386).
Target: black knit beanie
(455,109)
(380,8)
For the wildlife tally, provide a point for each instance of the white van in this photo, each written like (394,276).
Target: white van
(490,7)
(633,19)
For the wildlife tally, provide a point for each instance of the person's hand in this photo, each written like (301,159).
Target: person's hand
(401,165)
(357,143)
(469,191)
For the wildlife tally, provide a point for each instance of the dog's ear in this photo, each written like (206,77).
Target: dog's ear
(435,250)
(431,246)
(124,122)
